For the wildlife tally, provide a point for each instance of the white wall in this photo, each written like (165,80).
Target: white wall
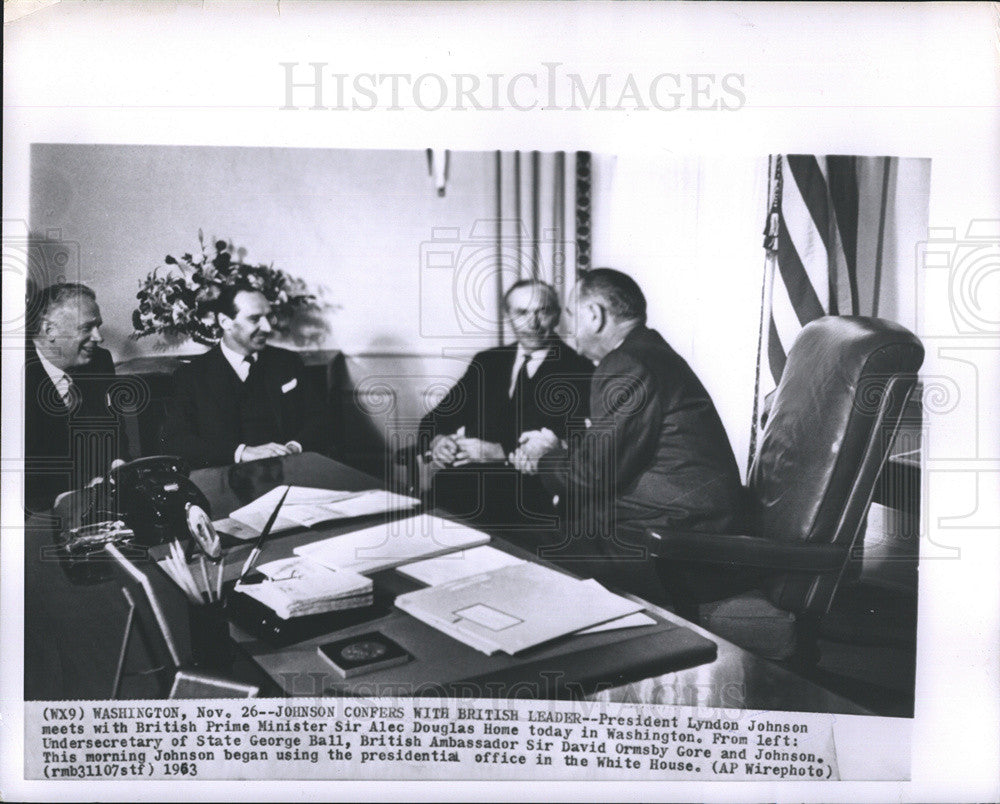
(689,231)
(908,196)
(355,225)
(360,225)
(351,222)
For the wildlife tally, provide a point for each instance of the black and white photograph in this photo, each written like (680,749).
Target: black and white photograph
(444,455)
(611,461)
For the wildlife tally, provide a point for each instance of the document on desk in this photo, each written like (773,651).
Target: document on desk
(306,507)
(455,566)
(296,587)
(391,544)
(514,608)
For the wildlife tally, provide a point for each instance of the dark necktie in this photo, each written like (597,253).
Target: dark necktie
(251,361)
(522,379)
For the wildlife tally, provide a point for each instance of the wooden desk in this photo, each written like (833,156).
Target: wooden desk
(567,668)
(71,630)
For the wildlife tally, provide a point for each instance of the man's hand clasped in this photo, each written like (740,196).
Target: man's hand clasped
(270,450)
(458,450)
(532,447)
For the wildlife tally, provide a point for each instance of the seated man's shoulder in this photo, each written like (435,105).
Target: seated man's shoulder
(280,356)
(204,362)
(650,352)
(202,358)
(572,359)
(623,361)
(488,358)
(496,352)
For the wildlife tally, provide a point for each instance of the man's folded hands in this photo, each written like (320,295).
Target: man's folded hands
(532,447)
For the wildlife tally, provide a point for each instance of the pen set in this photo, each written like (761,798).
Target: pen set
(200,590)
(259,544)
(179,570)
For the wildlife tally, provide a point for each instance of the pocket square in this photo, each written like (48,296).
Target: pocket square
(288,386)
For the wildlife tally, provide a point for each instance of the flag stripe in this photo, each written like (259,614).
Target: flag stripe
(775,354)
(807,240)
(842,302)
(786,321)
(877,280)
(800,291)
(836,268)
(844,195)
(840,292)
(811,185)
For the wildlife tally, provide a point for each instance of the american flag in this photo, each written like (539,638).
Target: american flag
(816,247)
(811,242)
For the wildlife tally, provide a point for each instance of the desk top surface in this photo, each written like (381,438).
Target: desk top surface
(735,680)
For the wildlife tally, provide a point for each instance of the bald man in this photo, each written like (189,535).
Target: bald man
(73,435)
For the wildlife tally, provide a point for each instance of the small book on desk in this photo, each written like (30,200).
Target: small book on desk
(364,653)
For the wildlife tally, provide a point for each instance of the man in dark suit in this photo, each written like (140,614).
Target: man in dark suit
(244,400)
(654,455)
(73,433)
(536,382)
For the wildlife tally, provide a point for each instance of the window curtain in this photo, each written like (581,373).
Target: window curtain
(543,220)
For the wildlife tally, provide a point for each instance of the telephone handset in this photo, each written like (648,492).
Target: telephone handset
(151,495)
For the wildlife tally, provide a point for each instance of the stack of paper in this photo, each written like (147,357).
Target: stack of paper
(515,607)
(296,587)
(305,507)
(391,544)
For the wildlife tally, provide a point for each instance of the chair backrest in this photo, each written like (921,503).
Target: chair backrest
(160,387)
(837,407)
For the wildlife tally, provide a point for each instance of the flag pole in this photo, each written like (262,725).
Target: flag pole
(771,227)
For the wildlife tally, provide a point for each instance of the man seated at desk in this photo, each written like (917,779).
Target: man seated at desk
(244,400)
(654,455)
(536,382)
(72,432)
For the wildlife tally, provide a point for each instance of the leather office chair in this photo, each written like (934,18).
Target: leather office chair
(836,411)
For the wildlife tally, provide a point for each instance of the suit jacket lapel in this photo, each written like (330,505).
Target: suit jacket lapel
(222,384)
(40,383)
(271,385)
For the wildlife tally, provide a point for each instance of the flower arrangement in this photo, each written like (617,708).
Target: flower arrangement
(178,305)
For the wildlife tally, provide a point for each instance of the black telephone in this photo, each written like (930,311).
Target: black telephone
(150,494)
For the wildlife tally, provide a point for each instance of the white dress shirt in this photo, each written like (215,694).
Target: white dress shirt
(60,379)
(239,362)
(241,366)
(534,359)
